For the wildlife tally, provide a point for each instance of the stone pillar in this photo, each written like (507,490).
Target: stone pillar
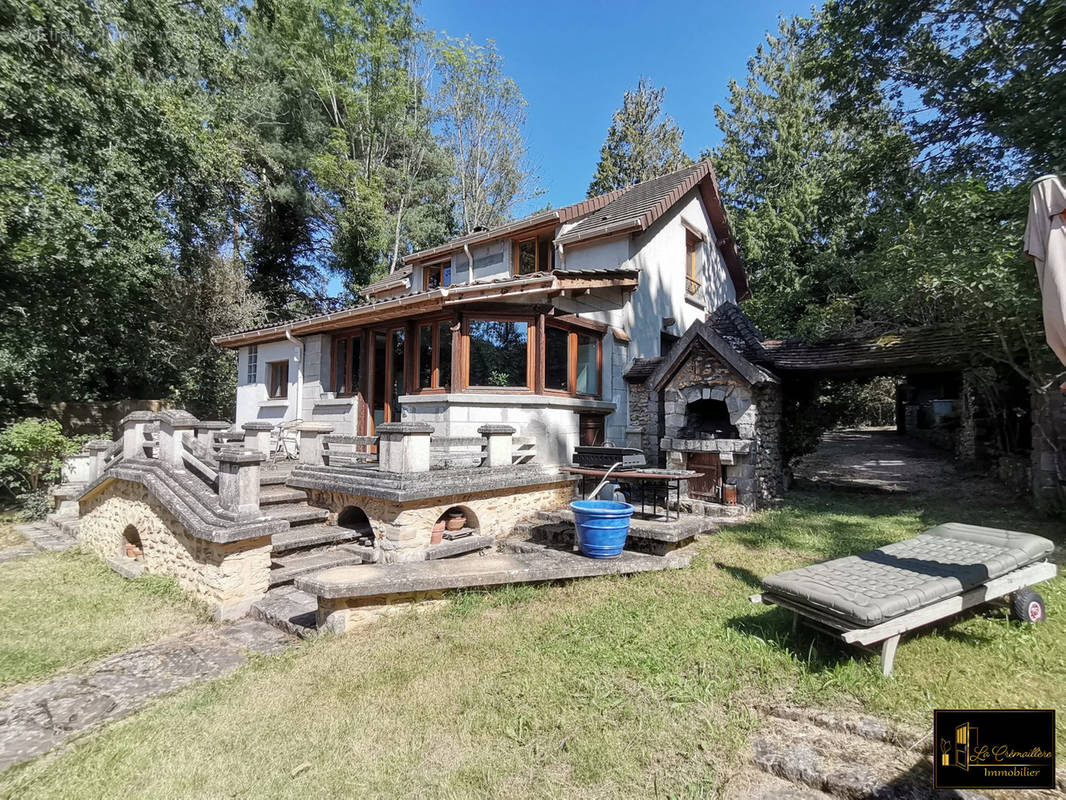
(173,425)
(205,431)
(499,448)
(97,453)
(257,436)
(238,481)
(311,434)
(403,446)
(133,425)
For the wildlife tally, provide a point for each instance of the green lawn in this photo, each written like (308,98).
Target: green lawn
(623,687)
(60,610)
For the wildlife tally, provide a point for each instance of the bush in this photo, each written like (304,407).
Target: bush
(31,455)
(34,505)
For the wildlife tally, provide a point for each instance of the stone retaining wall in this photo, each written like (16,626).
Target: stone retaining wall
(229,577)
(403,529)
(342,614)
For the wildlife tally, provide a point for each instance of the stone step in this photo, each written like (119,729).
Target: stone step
(304,536)
(291,567)
(368,554)
(534,563)
(298,514)
(280,493)
(273,478)
(457,547)
(288,609)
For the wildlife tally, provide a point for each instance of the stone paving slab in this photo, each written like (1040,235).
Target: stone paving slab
(44,535)
(35,719)
(19,551)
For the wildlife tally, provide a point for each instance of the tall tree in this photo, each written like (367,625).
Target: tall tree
(642,143)
(803,189)
(481,117)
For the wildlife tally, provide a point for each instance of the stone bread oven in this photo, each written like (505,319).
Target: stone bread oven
(720,415)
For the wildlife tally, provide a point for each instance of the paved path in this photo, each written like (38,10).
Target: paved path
(35,719)
(879,459)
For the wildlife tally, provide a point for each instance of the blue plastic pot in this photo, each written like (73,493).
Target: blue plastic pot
(602,527)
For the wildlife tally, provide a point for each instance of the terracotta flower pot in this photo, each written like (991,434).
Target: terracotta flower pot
(456,521)
(438,533)
(729,495)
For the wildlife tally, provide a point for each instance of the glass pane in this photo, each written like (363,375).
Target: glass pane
(378,391)
(445,355)
(498,354)
(447,281)
(527,257)
(432,277)
(398,388)
(357,363)
(544,262)
(340,367)
(425,356)
(588,375)
(556,359)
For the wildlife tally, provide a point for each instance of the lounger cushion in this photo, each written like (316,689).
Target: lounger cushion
(873,587)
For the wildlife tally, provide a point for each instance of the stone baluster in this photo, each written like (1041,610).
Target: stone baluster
(403,446)
(257,435)
(238,481)
(205,431)
(133,425)
(97,454)
(311,434)
(173,425)
(499,448)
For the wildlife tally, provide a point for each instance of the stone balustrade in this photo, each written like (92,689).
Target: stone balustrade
(134,426)
(311,439)
(257,436)
(173,425)
(206,429)
(499,444)
(404,446)
(98,450)
(238,481)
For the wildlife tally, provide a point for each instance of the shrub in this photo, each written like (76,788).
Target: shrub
(34,505)
(31,455)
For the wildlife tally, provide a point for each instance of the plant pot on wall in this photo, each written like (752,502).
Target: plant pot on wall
(455,520)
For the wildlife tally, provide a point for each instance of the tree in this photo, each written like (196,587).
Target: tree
(32,453)
(805,192)
(641,143)
(481,114)
(984,81)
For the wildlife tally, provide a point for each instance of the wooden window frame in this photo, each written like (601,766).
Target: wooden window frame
(531,353)
(571,358)
(350,389)
(693,284)
(435,386)
(428,269)
(252,367)
(534,237)
(282,364)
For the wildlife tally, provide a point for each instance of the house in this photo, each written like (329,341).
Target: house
(532,323)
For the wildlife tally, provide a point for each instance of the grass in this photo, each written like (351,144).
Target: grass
(618,687)
(9,537)
(60,610)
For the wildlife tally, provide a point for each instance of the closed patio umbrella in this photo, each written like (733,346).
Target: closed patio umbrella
(1045,243)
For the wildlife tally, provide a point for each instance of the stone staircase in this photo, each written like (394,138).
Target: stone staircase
(309,545)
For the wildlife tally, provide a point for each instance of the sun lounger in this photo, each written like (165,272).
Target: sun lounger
(875,597)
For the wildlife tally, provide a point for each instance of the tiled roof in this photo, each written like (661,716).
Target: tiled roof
(733,325)
(638,206)
(641,369)
(914,348)
(397,277)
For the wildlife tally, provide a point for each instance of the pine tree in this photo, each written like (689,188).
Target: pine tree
(641,143)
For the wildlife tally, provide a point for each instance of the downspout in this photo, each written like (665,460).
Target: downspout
(469,264)
(299,372)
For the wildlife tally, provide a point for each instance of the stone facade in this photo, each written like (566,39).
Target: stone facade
(402,529)
(342,614)
(752,461)
(643,430)
(228,577)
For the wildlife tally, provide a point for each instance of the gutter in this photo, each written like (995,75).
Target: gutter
(299,372)
(469,263)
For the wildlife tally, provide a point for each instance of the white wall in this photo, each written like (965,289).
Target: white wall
(252,400)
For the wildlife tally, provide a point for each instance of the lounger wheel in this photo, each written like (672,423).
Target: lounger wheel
(1027,606)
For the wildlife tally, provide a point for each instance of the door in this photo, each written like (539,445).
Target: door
(387,370)
(709,487)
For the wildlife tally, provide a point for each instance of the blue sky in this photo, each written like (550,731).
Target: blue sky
(573,60)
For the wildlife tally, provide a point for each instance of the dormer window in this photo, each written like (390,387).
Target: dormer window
(534,253)
(434,276)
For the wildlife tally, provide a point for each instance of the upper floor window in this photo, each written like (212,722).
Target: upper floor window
(278,384)
(534,253)
(693,284)
(253,362)
(435,276)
